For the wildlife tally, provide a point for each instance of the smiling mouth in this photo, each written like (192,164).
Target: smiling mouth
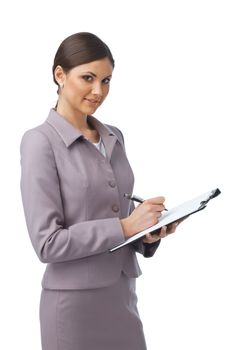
(92,101)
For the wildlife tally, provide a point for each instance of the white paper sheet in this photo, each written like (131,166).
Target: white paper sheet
(174,214)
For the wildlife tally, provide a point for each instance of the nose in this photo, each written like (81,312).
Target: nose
(97,89)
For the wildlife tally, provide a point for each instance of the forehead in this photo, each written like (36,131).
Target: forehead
(102,67)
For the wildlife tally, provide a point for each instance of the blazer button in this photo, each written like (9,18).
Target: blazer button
(115,208)
(112,183)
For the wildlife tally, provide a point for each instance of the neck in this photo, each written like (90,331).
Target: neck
(77,119)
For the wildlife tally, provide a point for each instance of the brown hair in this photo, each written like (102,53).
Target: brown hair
(80,48)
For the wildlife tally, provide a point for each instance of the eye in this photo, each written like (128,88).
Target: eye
(87,77)
(106,81)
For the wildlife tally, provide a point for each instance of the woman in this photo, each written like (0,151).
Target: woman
(74,176)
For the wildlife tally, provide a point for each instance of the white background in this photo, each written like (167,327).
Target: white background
(171,95)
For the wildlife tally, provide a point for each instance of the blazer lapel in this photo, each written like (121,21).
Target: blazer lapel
(108,136)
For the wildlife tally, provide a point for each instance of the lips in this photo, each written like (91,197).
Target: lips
(92,101)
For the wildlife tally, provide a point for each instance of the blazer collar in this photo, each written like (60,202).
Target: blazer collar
(69,133)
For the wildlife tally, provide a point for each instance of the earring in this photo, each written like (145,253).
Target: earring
(61,85)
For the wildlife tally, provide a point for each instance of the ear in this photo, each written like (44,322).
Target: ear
(59,75)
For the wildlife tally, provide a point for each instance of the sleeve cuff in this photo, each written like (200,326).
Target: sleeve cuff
(146,249)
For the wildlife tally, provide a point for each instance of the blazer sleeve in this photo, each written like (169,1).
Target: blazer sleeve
(43,209)
(146,249)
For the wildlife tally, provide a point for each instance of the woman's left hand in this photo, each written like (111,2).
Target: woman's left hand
(164,232)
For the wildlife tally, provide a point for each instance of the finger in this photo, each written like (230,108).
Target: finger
(157,207)
(157,214)
(148,238)
(163,232)
(152,238)
(172,227)
(156,200)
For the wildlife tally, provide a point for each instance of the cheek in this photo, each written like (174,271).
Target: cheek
(106,90)
(77,90)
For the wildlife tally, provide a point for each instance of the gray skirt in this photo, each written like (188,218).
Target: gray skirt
(92,319)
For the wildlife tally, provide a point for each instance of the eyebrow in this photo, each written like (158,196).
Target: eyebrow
(96,75)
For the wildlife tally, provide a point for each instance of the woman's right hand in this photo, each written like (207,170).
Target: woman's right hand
(143,216)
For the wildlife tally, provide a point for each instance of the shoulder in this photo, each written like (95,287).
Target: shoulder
(35,139)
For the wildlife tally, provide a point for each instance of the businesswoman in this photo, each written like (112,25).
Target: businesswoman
(74,176)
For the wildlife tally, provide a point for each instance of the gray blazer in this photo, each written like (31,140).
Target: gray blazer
(73,202)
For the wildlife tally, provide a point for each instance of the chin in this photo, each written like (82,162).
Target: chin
(90,110)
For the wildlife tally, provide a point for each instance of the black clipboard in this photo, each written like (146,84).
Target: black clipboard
(177,213)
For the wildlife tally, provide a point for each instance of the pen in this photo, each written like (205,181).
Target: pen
(133,198)
(136,198)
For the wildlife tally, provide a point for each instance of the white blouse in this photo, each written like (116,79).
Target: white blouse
(100,146)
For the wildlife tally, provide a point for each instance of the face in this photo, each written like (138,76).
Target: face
(84,87)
